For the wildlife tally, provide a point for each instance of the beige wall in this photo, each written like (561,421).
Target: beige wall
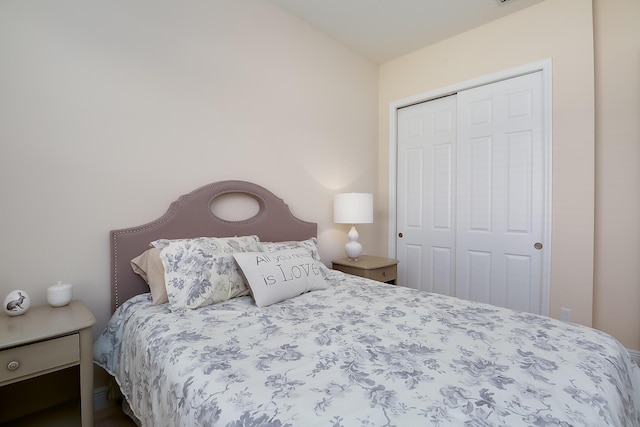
(109,110)
(617,261)
(561,30)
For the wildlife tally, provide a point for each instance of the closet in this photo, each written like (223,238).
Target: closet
(470,195)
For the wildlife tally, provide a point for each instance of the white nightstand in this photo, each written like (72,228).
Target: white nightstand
(371,267)
(46,339)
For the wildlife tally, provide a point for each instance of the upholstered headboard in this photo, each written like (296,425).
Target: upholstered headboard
(191,216)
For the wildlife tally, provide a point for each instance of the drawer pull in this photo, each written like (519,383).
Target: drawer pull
(384,273)
(13,365)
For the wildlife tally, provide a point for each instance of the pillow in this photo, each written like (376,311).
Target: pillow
(202,271)
(149,266)
(277,276)
(310,244)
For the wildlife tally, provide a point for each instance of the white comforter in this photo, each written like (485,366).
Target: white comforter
(364,353)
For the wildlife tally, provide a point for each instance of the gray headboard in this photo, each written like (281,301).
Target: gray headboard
(191,216)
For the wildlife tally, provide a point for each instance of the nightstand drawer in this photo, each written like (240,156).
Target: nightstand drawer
(30,359)
(368,266)
(384,274)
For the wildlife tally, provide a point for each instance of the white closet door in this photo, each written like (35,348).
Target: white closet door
(470,194)
(500,188)
(426,205)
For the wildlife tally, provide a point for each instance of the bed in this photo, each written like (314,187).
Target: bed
(347,352)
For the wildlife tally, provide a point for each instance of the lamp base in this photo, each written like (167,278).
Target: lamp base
(353,249)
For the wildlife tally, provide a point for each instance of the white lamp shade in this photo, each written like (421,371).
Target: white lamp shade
(353,208)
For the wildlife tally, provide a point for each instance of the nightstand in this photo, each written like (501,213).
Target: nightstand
(371,267)
(47,339)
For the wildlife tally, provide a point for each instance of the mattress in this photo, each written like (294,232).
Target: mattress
(364,353)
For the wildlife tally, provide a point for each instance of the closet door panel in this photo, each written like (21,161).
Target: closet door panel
(500,180)
(425,203)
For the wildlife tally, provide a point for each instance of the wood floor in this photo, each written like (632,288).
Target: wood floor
(113,417)
(68,415)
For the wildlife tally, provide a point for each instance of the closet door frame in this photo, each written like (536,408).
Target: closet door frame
(545,67)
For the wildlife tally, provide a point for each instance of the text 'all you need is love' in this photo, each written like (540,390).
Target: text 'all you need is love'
(306,268)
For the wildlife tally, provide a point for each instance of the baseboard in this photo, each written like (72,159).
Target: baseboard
(100,398)
(635,356)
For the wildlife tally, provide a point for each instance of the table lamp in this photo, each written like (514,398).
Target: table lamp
(353,208)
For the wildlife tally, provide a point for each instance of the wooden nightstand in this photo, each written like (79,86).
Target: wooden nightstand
(371,267)
(47,339)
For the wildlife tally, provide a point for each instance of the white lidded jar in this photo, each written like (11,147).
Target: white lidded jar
(59,294)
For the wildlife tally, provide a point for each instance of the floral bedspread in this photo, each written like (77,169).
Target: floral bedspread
(362,353)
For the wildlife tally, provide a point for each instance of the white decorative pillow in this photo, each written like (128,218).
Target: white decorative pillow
(202,271)
(277,276)
(310,245)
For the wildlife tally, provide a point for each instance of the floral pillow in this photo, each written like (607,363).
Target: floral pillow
(202,271)
(277,276)
(310,244)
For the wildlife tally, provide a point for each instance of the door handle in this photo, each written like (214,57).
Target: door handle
(400,235)
(537,245)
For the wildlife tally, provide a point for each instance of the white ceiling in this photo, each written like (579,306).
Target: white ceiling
(385,29)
